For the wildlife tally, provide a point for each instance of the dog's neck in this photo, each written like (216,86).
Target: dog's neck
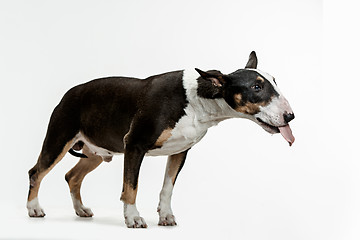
(206,110)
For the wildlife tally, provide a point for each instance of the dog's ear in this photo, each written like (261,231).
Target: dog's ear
(216,78)
(252,62)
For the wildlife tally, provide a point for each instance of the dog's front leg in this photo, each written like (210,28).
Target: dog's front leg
(173,167)
(132,162)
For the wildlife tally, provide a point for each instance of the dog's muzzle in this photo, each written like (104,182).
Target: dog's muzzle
(275,118)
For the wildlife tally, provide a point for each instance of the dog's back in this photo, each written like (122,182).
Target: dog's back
(103,109)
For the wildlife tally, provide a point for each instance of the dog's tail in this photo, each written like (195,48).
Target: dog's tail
(76,154)
(77,146)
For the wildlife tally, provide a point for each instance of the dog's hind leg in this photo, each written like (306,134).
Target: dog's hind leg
(60,137)
(46,161)
(75,177)
(173,167)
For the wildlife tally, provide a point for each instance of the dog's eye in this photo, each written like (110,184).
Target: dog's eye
(256,87)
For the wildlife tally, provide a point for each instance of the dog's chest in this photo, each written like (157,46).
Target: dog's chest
(187,132)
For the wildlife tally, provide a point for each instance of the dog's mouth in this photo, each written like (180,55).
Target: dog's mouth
(284,130)
(270,128)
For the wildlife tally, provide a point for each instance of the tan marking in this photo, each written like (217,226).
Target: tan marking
(164,136)
(260,79)
(237,98)
(126,139)
(173,165)
(76,175)
(128,195)
(247,108)
(33,191)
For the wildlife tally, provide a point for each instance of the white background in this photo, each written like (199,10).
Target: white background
(239,182)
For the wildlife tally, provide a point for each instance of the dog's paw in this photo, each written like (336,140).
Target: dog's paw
(135,222)
(168,220)
(132,217)
(34,209)
(36,212)
(82,211)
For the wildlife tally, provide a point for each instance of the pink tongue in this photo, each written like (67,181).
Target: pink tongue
(287,134)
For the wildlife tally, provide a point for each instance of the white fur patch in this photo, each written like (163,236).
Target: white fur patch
(164,207)
(130,210)
(166,217)
(273,113)
(80,209)
(132,217)
(34,208)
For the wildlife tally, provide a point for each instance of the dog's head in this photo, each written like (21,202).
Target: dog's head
(255,94)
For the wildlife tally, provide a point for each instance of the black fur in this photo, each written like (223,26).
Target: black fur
(107,109)
(207,88)
(242,81)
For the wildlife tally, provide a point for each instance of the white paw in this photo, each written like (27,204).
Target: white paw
(135,222)
(34,209)
(80,209)
(132,217)
(166,217)
(83,211)
(168,220)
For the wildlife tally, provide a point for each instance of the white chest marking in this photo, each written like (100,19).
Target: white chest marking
(200,114)
(187,132)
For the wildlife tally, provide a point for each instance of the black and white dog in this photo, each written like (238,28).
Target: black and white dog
(165,114)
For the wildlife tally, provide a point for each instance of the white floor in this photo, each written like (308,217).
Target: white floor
(61,224)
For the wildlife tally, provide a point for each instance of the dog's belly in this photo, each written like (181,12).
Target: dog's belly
(104,153)
(182,138)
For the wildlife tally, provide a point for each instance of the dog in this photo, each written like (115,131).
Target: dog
(165,114)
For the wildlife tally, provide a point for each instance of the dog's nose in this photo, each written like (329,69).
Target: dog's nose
(288,117)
